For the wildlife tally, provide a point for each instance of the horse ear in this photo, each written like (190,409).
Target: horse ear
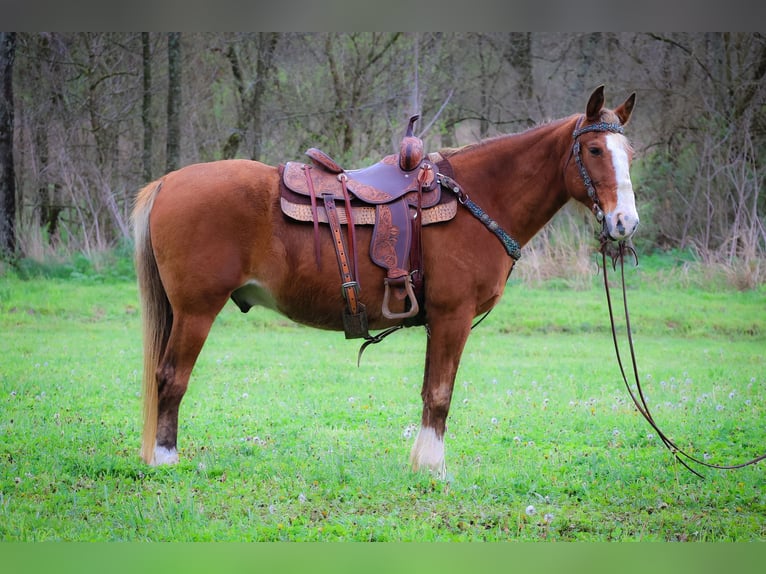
(595,103)
(625,109)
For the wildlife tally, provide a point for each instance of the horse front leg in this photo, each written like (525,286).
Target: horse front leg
(443,351)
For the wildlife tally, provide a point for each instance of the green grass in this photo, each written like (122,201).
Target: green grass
(283,438)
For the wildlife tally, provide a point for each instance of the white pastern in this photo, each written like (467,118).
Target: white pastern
(625,213)
(163,455)
(428,452)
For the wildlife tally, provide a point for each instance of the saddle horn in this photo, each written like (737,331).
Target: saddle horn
(411,148)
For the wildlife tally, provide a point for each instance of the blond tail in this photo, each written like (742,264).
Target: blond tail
(156,314)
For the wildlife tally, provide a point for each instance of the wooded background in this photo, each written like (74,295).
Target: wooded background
(91,117)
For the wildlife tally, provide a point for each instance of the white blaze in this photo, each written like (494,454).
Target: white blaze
(624,213)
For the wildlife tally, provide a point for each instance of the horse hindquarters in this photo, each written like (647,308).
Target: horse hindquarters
(178,311)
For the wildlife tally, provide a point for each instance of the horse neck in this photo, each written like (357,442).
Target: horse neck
(518,179)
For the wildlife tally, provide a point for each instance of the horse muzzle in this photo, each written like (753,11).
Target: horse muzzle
(621,224)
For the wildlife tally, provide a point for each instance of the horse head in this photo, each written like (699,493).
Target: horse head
(599,176)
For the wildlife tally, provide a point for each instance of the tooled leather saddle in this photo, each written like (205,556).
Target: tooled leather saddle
(397,195)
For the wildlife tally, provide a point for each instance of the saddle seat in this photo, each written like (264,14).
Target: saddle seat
(377,184)
(397,195)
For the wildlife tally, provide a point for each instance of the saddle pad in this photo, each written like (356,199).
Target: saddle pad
(365,215)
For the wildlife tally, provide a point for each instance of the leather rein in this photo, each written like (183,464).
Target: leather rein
(615,253)
(618,252)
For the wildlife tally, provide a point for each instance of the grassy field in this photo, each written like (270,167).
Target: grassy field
(283,438)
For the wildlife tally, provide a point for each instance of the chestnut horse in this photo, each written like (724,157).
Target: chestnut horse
(211,230)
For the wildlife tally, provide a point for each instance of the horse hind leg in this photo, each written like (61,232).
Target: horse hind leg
(444,348)
(187,337)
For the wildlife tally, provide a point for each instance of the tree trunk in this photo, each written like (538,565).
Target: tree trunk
(48,193)
(173,159)
(146,107)
(7,174)
(251,87)
(264,67)
(519,55)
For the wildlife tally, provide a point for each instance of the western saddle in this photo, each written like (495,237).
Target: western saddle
(398,195)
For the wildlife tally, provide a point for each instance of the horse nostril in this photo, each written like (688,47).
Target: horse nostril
(618,222)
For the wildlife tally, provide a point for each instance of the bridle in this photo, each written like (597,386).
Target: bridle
(576,152)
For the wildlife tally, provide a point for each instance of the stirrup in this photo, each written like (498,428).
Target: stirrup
(414,308)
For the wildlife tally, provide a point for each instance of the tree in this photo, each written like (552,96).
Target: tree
(357,63)
(42,68)
(92,118)
(146,106)
(519,55)
(705,175)
(173,159)
(7,172)
(251,80)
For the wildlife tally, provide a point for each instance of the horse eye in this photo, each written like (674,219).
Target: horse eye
(595,151)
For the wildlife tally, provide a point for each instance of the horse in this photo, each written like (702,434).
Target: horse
(213,231)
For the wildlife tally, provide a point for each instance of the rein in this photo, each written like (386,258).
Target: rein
(618,252)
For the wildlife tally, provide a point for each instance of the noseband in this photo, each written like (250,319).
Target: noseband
(576,152)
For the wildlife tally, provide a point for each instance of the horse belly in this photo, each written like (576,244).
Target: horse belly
(308,291)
